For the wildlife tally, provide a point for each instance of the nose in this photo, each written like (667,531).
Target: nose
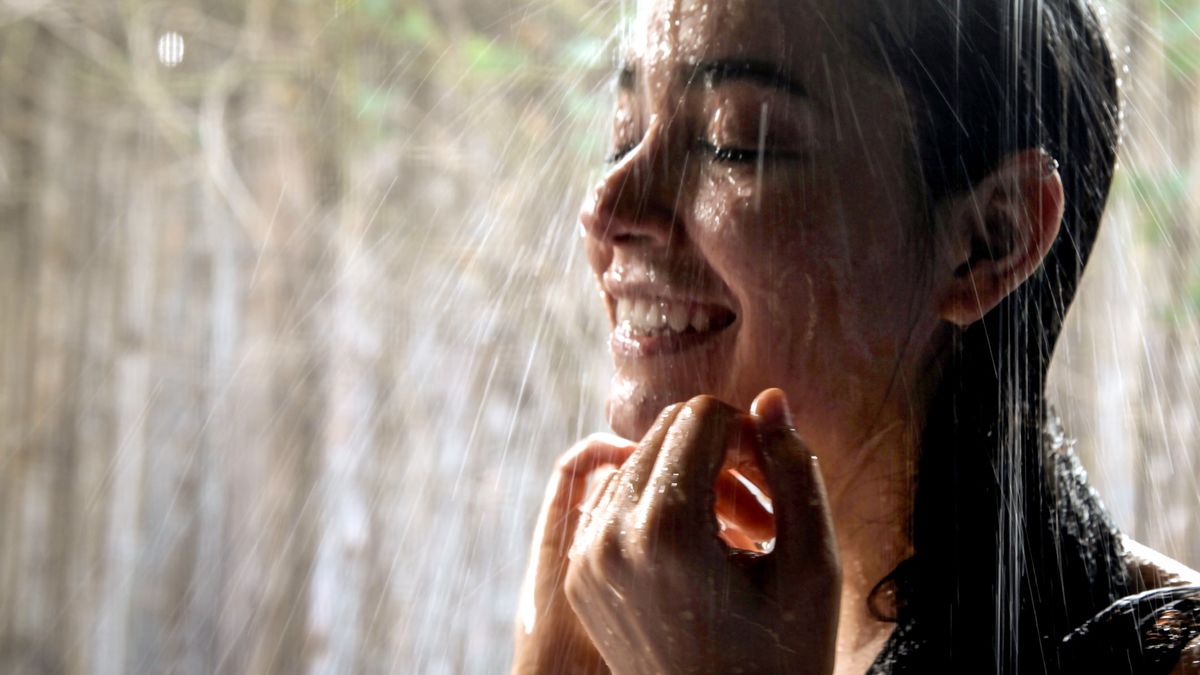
(637,201)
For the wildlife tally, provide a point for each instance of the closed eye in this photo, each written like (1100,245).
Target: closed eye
(736,155)
(620,153)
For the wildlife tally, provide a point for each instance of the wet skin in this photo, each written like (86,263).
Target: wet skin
(810,243)
(761,196)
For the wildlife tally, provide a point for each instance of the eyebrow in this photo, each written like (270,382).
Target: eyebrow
(719,71)
(759,72)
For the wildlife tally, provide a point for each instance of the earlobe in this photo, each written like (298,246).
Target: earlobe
(1001,230)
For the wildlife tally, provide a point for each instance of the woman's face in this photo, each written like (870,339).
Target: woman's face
(759,225)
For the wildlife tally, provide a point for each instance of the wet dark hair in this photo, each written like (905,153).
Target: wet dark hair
(1011,549)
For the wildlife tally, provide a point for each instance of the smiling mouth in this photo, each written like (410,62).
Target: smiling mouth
(649,326)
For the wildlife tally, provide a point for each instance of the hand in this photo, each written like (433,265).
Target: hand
(549,639)
(659,591)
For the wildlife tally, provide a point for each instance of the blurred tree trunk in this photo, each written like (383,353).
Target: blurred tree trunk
(1171,471)
(1127,373)
(290,331)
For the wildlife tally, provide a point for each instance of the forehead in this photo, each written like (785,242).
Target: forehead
(797,34)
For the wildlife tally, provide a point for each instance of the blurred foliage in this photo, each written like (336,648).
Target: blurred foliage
(1181,37)
(1160,198)
(294,328)
(282,300)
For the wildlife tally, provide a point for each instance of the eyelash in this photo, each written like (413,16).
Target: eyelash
(620,153)
(732,155)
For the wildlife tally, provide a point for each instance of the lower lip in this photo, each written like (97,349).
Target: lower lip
(627,343)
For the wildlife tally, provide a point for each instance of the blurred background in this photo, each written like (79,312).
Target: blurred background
(294,318)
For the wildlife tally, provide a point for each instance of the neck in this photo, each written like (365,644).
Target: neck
(870,490)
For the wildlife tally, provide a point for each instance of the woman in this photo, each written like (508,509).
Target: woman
(840,232)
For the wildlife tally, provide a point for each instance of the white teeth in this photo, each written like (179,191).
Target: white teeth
(637,315)
(624,310)
(678,318)
(656,316)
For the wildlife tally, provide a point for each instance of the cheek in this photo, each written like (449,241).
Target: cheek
(825,279)
(752,229)
(771,250)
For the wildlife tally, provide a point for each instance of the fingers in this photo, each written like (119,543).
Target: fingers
(622,487)
(558,519)
(771,409)
(585,533)
(735,538)
(739,509)
(684,470)
(567,489)
(743,459)
(804,529)
(680,497)
(639,468)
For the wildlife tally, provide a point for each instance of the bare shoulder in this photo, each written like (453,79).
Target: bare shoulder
(1151,569)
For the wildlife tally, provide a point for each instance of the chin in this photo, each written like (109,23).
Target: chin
(634,406)
(627,421)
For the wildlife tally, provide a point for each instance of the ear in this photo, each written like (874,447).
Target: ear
(998,234)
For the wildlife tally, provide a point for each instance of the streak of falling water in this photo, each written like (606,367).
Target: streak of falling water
(294,321)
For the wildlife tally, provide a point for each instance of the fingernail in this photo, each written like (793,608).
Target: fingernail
(772,408)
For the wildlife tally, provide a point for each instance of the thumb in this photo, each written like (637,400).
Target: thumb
(804,528)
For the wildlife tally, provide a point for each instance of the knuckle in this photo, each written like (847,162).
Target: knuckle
(706,406)
(591,450)
(603,441)
(566,461)
(668,411)
(609,548)
(703,404)
(575,584)
(606,556)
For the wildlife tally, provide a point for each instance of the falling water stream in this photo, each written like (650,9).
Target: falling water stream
(295,319)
